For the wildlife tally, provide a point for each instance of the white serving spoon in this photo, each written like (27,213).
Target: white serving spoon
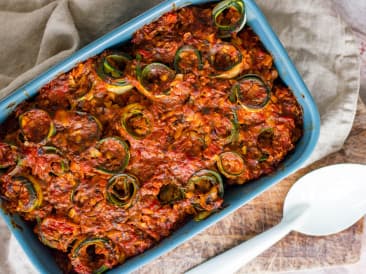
(323,202)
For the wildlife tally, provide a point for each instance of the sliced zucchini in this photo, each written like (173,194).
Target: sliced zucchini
(155,80)
(28,191)
(36,126)
(187,59)
(95,255)
(78,130)
(136,120)
(230,164)
(113,155)
(225,128)
(251,92)
(59,164)
(229,16)
(205,191)
(111,69)
(122,190)
(227,59)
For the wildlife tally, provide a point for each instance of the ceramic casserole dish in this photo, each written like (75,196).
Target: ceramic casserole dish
(234,197)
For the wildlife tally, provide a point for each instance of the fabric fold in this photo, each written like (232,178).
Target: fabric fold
(23,5)
(60,34)
(325,52)
(21,34)
(106,15)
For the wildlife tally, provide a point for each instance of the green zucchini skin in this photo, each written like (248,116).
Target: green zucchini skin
(112,142)
(122,190)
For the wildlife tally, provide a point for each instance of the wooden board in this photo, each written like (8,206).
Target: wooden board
(296,251)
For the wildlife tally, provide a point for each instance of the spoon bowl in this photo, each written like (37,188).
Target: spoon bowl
(335,198)
(323,202)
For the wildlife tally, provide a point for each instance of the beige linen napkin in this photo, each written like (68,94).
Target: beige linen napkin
(35,34)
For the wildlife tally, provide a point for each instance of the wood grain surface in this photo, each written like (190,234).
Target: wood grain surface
(296,251)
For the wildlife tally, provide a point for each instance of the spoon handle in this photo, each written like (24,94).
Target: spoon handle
(231,260)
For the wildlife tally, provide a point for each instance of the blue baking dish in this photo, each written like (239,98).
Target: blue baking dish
(235,197)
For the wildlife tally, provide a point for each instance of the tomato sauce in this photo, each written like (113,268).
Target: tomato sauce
(114,155)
